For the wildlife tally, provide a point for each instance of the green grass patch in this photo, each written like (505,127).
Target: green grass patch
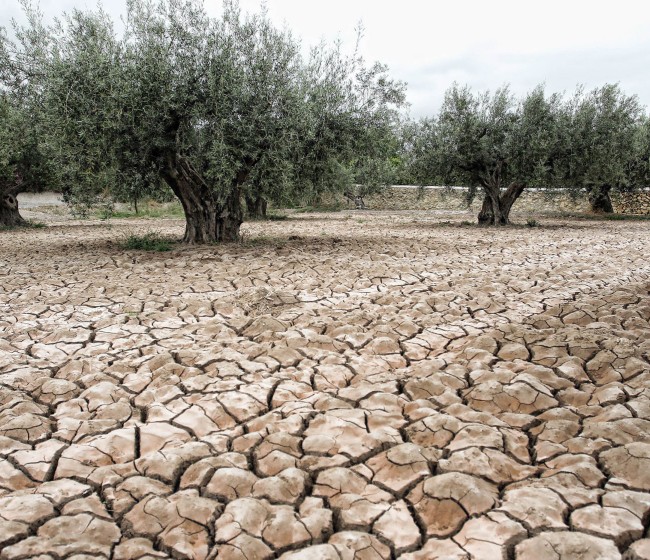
(146,209)
(270,217)
(336,207)
(277,217)
(603,217)
(151,241)
(27,224)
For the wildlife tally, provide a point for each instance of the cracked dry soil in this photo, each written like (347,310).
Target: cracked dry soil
(339,389)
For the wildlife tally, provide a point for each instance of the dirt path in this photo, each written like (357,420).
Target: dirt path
(36,200)
(339,386)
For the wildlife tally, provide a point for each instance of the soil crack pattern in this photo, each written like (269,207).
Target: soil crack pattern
(331,389)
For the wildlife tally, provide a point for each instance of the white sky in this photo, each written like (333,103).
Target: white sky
(483,43)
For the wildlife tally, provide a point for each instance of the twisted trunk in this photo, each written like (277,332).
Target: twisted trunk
(359,204)
(497,205)
(9,214)
(599,199)
(256,206)
(208,219)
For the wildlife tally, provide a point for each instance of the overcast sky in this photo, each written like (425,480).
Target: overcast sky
(483,43)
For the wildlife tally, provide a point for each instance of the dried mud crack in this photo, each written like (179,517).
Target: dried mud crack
(410,391)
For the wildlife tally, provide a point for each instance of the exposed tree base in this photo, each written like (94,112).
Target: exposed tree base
(359,204)
(486,215)
(600,201)
(496,207)
(9,214)
(212,223)
(207,219)
(256,207)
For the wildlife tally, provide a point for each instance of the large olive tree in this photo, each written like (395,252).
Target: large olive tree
(216,108)
(182,97)
(600,138)
(26,163)
(492,142)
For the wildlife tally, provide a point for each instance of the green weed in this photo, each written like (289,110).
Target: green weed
(27,224)
(151,241)
(277,217)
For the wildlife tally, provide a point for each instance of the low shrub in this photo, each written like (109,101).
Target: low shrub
(151,241)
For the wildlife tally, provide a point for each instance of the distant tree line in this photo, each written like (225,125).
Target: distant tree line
(227,114)
(595,141)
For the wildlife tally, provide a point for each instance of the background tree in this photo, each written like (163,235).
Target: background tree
(490,142)
(407,135)
(12,160)
(218,109)
(639,163)
(347,134)
(425,156)
(600,130)
(26,163)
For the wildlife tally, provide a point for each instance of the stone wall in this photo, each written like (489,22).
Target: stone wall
(532,200)
(632,203)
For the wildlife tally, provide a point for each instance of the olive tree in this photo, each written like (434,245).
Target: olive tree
(424,157)
(347,135)
(600,135)
(219,109)
(25,158)
(492,142)
(639,162)
(342,138)
(24,163)
(12,161)
(182,97)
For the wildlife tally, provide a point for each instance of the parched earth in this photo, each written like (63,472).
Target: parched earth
(351,386)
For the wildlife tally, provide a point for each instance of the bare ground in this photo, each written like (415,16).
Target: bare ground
(338,386)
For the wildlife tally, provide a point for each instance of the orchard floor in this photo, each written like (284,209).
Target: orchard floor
(345,386)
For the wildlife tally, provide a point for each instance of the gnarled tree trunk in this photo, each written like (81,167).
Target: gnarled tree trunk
(599,200)
(359,204)
(230,217)
(208,219)
(9,214)
(497,205)
(256,206)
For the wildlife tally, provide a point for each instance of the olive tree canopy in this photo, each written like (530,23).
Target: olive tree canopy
(639,164)
(492,142)
(216,108)
(602,132)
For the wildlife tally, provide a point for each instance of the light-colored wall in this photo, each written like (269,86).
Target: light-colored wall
(532,200)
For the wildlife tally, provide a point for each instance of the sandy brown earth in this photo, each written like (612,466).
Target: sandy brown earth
(337,387)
